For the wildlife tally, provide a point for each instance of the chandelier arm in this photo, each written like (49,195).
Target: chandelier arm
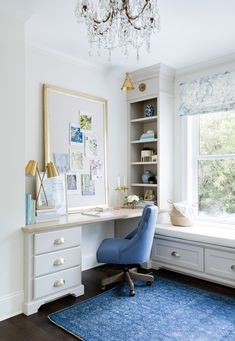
(110,15)
(137,16)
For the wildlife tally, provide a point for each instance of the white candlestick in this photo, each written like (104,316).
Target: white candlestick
(124,181)
(118,182)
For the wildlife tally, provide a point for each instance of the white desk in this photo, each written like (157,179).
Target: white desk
(53,256)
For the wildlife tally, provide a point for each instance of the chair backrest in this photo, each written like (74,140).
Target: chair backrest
(139,247)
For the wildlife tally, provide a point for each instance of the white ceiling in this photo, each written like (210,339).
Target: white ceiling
(192,31)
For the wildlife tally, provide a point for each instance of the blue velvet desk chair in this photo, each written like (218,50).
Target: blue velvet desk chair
(133,249)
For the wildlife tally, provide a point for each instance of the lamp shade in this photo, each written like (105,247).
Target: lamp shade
(31,168)
(52,171)
(127,85)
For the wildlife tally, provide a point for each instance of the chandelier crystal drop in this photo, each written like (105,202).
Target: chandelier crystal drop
(119,23)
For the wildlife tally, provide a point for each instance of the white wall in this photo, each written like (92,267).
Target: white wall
(46,66)
(12,151)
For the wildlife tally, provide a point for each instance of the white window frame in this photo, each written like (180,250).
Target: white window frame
(193,157)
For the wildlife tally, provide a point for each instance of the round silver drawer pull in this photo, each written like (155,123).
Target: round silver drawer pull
(175,254)
(59,241)
(59,282)
(233,267)
(59,261)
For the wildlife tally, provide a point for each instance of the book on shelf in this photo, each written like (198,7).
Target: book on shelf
(29,209)
(33,211)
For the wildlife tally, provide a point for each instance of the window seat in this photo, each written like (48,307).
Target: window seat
(211,233)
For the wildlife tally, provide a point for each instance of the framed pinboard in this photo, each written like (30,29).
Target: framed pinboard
(75,139)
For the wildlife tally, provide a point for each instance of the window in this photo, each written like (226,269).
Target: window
(214,164)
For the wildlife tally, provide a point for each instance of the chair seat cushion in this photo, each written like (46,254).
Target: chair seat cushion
(108,251)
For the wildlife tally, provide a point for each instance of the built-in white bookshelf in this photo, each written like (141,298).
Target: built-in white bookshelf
(159,84)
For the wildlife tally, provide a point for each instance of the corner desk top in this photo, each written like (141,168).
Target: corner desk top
(76,219)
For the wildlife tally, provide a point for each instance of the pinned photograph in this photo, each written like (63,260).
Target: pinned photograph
(85,121)
(72,183)
(76,160)
(75,133)
(88,185)
(62,162)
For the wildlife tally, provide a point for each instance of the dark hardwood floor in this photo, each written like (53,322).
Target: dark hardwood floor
(37,327)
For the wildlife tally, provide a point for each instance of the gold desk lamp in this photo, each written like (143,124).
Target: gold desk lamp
(32,169)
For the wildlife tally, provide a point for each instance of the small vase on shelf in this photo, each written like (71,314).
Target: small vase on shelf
(149,111)
(145,177)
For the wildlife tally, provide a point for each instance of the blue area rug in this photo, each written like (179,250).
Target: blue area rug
(165,311)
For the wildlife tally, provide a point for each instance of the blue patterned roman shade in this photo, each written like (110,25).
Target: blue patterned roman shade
(208,94)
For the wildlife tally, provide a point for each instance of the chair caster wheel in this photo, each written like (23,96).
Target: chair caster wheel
(132,293)
(149,284)
(103,288)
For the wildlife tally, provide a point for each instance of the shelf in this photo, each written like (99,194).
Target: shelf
(143,163)
(144,141)
(144,119)
(144,185)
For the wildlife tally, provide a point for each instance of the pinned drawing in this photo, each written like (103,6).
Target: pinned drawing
(91,146)
(75,133)
(62,162)
(96,169)
(76,160)
(85,121)
(88,185)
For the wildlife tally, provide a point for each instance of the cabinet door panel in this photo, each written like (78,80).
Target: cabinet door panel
(179,254)
(220,263)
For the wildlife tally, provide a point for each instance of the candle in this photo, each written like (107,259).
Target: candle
(118,182)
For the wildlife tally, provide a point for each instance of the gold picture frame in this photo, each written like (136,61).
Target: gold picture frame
(59,106)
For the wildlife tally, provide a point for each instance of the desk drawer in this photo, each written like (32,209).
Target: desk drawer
(56,261)
(220,263)
(61,280)
(179,254)
(56,240)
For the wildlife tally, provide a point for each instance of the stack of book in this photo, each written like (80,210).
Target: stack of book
(30,206)
(148,136)
(44,215)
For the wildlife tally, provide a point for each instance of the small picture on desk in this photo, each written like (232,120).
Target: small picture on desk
(72,183)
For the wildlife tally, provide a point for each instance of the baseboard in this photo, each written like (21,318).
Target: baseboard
(11,305)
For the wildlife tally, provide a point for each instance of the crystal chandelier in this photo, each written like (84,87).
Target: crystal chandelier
(119,23)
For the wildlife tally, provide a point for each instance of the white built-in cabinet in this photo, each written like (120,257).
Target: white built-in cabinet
(208,258)
(52,267)
(153,85)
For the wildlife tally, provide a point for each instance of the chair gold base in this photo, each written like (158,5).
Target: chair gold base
(127,275)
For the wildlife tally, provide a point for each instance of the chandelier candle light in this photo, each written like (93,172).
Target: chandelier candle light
(119,23)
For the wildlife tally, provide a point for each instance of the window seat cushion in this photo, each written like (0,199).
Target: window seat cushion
(209,233)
